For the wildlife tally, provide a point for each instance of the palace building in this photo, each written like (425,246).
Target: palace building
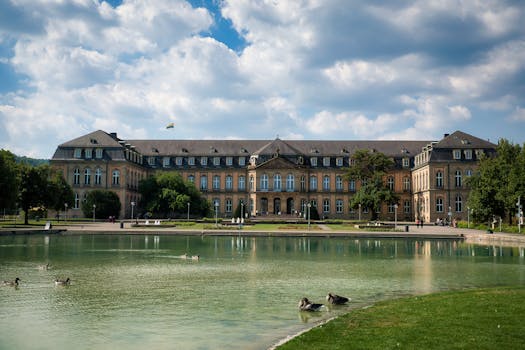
(278,177)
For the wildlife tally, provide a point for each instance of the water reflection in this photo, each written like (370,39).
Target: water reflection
(132,290)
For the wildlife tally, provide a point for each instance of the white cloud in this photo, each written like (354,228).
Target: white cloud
(518,115)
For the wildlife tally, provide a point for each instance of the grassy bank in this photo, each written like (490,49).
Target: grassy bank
(474,319)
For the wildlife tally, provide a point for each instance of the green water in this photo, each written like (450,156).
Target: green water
(136,292)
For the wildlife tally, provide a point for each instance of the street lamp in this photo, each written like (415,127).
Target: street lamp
(216,210)
(94,208)
(395,216)
(65,212)
(309,205)
(359,211)
(132,206)
(449,216)
(468,217)
(188,219)
(242,214)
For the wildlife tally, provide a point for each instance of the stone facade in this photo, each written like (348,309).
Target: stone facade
(276,177)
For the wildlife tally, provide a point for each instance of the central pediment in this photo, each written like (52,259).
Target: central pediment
(277,163)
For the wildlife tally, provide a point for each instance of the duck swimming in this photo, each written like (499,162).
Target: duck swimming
(307,305)
(335,299)
(14,283)
(59,282)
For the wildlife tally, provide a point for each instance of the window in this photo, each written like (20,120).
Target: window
(264,182)
(459,203)
(191,179)
(76,205)
(439,205)
(313,161)
(204,161)
(290,182)
(242,183)
(151,161)
(439,179)
(216,182)
(229,183)
(78,153)
(326,183)
(313,183)
(191,160)
(468,154)
(406,162)
(242,161)
(166,162)
(364,182)
(88,153)
(326,205)
(216,161)
(115,178)
(98,176)
(406,206)
(351,161)
(338,183)
(303,183)
(229,161)
(351,185)
(229,205)
(390,183)
(339,161)
(457,178)
(406,183)
(87,176)
(339,206)
(277,182)
(391,208)
(457,154)
(326,161)
(76,176)
(468,172)
(178,161)
(98,153)
(204,183)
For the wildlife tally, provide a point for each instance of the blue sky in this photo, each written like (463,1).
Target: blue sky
(237,69)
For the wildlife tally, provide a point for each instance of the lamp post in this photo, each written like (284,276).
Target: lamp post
(94,208)
(309,205)
(132,206)
(395,216)
(188,219)
(468,217)
(65,212)
(359,211)
(242,214)
(216,210)
(449,216)
(520,214)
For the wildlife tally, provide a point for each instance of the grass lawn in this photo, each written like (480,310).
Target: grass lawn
(473,319)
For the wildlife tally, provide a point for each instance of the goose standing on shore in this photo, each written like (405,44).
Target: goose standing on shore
(335,299)
(59,282)
(307,305)
(14,283)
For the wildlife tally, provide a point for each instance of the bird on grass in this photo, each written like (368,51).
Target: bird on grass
(307,305)
(14,283)
(335,299)
(59,282)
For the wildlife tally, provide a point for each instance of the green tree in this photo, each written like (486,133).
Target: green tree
(107,204)
(34,188)
(9,180)
(167,193)
(370,168)
(61,191)
(499,182)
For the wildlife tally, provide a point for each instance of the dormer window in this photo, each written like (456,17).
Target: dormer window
(456,154)
(78,153)
(326,161)
(313,161)
(242,161)
(406,162)
(229,161)
(88,153)
(191,160)
(98,153)
(178,161)
(479,153)
(216,161)
(339,161)
(204,161)
(166,162)
(151,161)
(468,154)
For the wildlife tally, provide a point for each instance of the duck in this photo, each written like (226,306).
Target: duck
(59,282)
(335,299)
(307,305)
(43,267)
(14,283)
(195,257)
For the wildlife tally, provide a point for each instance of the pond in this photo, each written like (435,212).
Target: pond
(138,291)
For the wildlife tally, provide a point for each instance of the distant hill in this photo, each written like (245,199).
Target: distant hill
(31,161)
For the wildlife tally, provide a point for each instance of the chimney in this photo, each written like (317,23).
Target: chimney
(446,135)
(113,135)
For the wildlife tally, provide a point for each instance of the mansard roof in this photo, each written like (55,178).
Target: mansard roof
(461,140)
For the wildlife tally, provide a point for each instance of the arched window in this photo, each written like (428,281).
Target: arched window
(290,182)
(459,203)
(191,179)
(229,205)
(242,183)
(116,178)
(351,185)
(326,183)
(98,176)
(406,206)
(303,183)
(458,178)
(406,183)
(216,183)
(87,176)
(439,205)
(313,183)
(339,206)
(390,183)
(439,179)
(76,205)
(338,183)
(76,176)
(277,182)
(229,182)
(264,182)
(326,205)
(204,183)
